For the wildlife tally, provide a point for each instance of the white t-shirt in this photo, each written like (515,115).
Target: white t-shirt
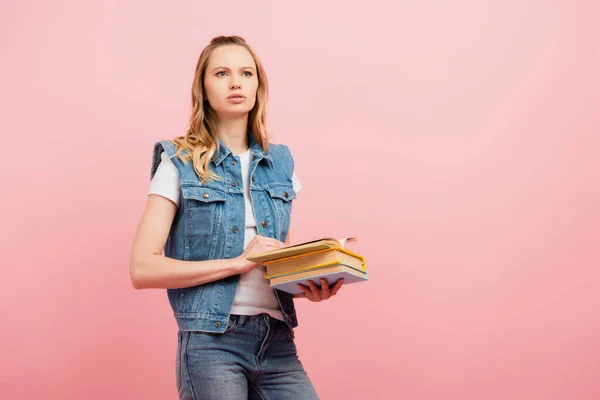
(253,294)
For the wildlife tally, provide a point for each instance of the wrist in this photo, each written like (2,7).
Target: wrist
(240,264)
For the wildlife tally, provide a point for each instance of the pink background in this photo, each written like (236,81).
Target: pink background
(459,140)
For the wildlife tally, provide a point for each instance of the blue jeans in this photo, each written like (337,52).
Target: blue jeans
(255,358)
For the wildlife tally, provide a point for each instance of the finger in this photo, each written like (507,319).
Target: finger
(314,288)
(305,289)
(271,247)
(337,286)
(269,239)
(308,293)
(324,289)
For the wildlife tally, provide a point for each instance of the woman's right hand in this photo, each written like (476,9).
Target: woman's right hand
(258,244)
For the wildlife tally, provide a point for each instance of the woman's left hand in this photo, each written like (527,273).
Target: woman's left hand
(313,293)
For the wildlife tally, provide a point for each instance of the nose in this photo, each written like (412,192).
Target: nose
(235,83)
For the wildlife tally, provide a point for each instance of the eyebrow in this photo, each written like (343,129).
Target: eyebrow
(228,69)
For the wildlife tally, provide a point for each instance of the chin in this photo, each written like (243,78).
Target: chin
(234,110)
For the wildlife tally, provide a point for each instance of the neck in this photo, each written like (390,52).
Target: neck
(233,132)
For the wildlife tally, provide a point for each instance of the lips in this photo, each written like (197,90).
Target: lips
(236,96)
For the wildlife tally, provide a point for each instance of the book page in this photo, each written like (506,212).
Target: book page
(333,242)
(343,241)
(306,247)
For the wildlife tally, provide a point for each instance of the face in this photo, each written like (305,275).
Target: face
(231,71)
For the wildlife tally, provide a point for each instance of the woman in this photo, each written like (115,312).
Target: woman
(218,194)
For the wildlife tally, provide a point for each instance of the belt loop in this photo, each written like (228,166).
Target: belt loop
(241,320)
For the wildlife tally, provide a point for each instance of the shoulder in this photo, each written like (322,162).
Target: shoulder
(167,150)
(278,148)
(167,146)
(163,153)
(282,156)
(280,151)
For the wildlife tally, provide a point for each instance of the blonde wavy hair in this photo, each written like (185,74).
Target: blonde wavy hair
(198,142)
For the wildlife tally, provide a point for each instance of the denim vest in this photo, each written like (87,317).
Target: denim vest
(210,221)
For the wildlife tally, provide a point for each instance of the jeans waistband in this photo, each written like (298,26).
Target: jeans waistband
(259,319)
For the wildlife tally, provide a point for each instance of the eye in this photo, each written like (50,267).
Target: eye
(248,73)
(220,72)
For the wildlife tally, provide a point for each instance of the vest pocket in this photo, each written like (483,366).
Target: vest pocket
(284,193)
(203,194)
(204,209)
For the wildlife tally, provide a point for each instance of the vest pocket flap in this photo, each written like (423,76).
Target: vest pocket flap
(204,194)
(284,193)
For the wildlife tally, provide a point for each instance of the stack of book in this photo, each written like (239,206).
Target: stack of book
(324,258)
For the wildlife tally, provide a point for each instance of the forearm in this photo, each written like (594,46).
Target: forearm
(160,272)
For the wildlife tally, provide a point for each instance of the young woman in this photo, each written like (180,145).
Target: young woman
(218,194)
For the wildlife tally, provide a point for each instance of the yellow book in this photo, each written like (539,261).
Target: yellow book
(301,248)
(313,260)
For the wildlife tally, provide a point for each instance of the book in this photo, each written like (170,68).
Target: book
(315,259)
(288,283)
(322,258)
(301,248)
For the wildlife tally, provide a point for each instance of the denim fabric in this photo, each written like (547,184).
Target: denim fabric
(255,358)
(209,224)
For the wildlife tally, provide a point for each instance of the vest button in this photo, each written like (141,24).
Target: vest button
(234,162)
(253,158)
(217,324)
(252,179)
(286,194)
(264,224)
(235,229)
(205,195)
(234,184)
